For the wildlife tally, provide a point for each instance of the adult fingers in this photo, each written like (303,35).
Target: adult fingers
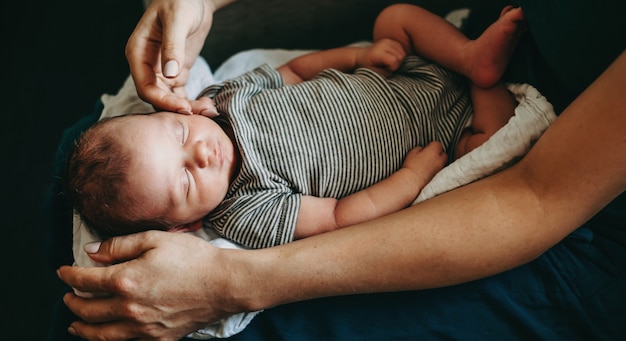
(204,106)
(124,248)
(108,331)
(178,24)
(165,99)
(87,280)
(144,54)
(93,310)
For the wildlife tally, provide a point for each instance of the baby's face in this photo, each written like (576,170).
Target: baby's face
(181,165)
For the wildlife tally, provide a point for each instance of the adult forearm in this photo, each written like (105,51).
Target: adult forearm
(446,240)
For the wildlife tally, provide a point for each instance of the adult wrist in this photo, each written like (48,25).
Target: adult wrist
(244,281)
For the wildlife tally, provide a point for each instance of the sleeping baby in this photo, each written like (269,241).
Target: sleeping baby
(328,140)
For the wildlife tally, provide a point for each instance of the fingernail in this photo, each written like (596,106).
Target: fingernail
(92,247)
(185,111)
(71,330)
(171,68)
(209,113)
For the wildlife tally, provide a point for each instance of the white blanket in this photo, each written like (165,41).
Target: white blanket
(532,116)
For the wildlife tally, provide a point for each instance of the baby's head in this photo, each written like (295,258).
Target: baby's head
(160,171)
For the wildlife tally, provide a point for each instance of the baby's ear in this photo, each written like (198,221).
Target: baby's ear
(189,227)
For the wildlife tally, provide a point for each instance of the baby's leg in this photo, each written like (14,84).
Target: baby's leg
(493,108)
(421,32)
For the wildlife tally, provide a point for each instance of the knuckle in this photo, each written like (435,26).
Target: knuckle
(124,285)
(134,312)
(100,336)
(152,331)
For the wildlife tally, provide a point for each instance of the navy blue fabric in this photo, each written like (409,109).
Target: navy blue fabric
(57,207)
(576,291)
(58,210)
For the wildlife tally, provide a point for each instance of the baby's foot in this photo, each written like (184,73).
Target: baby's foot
(488,55)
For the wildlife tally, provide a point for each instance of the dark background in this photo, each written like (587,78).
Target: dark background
(57,58)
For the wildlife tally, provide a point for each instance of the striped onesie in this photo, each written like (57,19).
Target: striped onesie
(327,137)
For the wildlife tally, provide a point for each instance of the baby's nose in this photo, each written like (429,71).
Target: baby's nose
(201,154)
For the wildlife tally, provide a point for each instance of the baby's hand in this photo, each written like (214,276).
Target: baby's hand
(425,162)
(384,56)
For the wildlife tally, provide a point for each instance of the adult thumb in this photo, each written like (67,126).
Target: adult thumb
(118,249)
(173,49)
(171,68)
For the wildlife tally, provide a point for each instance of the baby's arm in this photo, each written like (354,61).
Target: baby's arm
(319,215)
(384,57)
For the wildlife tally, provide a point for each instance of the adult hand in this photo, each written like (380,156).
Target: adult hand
(163,47)
(157,288)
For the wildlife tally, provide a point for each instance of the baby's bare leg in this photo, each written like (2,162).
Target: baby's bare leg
(421,32)
(487,58)
(493,108)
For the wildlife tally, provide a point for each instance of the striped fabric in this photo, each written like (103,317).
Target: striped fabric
(328,137)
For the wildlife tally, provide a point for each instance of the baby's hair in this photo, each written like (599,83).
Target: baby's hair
(97,175)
